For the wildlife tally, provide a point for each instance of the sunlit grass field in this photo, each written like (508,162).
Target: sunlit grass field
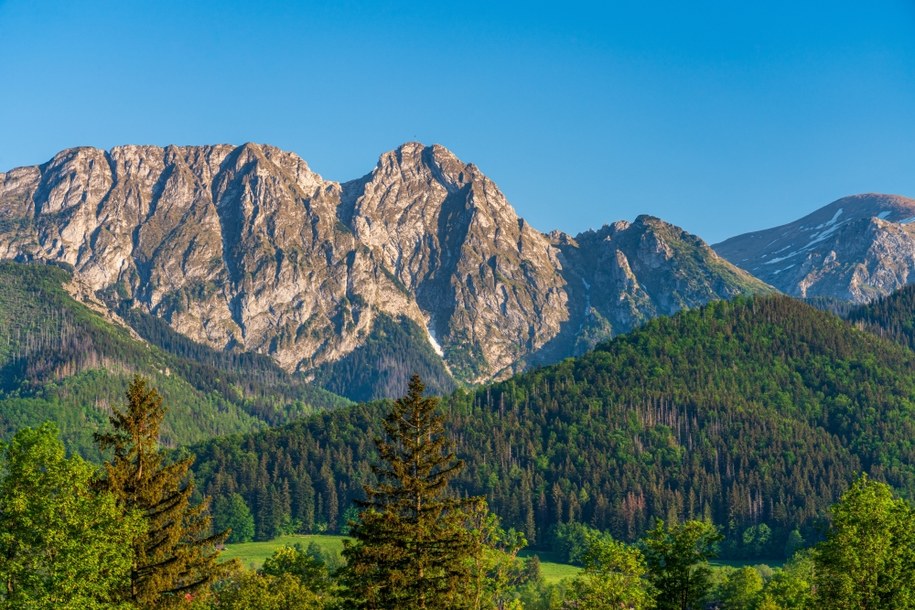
(253,554)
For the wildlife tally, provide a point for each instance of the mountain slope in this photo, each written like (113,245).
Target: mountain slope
(246,249)
(746,412)
(892,316)
(857,248)
(625,274)
(62,361)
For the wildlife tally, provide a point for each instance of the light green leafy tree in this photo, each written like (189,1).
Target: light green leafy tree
(62,543)
(493,556)
(615,576)
(742,588)
(868,558)
(248,590)
(292,578)
(301,563)
(677,558)
(232,513)
(791,587)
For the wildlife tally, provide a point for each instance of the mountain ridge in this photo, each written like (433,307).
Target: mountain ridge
(246,248)
(856,248)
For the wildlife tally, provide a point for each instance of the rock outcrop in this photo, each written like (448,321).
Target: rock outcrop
(246,248)
(856,249)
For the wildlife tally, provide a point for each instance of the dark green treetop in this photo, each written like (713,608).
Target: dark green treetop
(175,557)
(412,548)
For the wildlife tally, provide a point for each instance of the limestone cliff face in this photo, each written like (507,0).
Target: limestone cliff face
(481,275)
(247,248)
(234,247)
(857,248)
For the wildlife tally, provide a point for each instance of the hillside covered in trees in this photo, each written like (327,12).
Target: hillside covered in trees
(753,413)
(64,362)
(892,316)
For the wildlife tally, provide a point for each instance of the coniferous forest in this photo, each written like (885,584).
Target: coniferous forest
(760,429)
(754,414)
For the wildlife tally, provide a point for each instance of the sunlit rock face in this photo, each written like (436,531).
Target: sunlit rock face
(247,248)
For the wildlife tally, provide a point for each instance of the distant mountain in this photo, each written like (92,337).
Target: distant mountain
(857,248)
(246,249)
(751,412)
(64,361)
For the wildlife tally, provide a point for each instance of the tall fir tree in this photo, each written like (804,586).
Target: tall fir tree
(175,556)
(412,548)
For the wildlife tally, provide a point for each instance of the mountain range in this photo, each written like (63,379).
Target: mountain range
(244,249)
(247,249)
(238,280)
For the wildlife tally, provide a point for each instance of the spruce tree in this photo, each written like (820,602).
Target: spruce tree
(175,555)
(412,547)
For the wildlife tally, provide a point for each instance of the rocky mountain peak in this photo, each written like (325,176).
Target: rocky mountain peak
(855,248)
(246,248)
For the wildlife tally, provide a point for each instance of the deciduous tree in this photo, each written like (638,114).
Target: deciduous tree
(868,558)
(615,576)
(62,543)
(677,558)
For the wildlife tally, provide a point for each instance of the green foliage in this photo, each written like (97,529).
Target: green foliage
(572,540)
(868,558)
(742,589)
(306,565)
(291,578)
(62,544)
(892,316)
(496,569)
(677,557)
(175,555)
(746,413)
(794,543)
(791,587)
(615,576)
(232,514)
(411,549)
(383,364)
(257,591)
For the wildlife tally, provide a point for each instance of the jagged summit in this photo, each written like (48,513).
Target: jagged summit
(245,247)
(856,248)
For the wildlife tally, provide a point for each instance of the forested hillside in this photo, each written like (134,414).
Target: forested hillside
(381,366)
(892,316)
(754,413)
(61,361)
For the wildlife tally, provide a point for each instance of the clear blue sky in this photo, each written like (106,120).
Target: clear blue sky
(722,117)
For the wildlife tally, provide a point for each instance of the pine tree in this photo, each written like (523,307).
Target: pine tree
(412,548)
(175,557)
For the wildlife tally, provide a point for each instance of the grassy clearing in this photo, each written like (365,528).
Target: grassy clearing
(253,554)
(552,570)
